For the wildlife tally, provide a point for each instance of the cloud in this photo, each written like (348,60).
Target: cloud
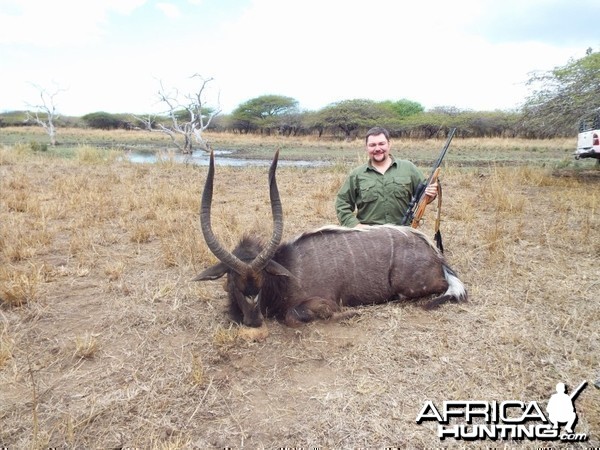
(110,54)
(169,9)
(557,22)
(58,22)
(381,50)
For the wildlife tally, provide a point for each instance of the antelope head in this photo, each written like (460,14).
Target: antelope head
(244,266)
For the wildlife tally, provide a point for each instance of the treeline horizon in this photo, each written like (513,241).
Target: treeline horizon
(331,123)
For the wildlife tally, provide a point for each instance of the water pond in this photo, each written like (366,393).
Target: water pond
(222,158)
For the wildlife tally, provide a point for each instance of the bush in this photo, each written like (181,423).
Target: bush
(38,147)
(104,121)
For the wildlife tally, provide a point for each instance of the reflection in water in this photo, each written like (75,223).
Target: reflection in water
(201,158)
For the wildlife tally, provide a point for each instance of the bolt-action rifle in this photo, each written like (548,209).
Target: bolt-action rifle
(419,201)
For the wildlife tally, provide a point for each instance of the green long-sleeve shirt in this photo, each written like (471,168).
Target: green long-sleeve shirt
(377,198)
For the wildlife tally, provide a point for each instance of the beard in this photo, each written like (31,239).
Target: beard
(379,157)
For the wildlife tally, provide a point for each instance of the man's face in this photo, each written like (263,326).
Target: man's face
(378,148)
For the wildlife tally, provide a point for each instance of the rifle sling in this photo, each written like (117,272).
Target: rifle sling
(438,234)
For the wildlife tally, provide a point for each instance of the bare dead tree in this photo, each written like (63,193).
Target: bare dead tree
(188,116)
(44,113)
(148,121)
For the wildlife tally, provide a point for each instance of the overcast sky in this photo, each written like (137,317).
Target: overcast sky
(111,55)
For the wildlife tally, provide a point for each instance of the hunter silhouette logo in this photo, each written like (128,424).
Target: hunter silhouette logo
(512,419)
(561,409)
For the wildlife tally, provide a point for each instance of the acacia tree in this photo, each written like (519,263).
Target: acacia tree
(562,95)
(404,107)
(350,116)
(188,116)
(44,113)
(266,113)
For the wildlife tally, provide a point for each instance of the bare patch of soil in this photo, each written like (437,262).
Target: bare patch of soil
(592,174)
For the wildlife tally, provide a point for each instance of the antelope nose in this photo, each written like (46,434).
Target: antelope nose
(254,322)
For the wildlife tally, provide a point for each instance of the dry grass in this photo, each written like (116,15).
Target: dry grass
(105,342)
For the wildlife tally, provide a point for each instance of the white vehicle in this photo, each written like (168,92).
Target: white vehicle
(588,139)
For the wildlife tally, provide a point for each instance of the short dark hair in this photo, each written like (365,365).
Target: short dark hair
(375,131)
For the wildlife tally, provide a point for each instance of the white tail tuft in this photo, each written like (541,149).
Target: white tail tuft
(456,288)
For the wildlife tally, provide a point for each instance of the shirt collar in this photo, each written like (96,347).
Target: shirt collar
(369,166)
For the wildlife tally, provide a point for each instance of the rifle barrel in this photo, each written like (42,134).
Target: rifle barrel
(442,153)
(576,392)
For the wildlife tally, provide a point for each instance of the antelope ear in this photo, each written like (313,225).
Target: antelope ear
(274,268)
(212,273)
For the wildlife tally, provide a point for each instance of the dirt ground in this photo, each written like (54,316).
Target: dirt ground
(106,343)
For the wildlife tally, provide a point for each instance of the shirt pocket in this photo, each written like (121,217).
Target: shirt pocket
(401,188)
(367,191)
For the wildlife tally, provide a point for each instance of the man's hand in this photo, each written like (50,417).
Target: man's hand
(431,191)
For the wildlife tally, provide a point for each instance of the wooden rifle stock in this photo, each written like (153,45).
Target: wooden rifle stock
(424,201)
